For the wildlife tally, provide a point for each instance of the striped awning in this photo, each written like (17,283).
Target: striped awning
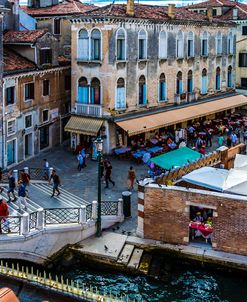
(83,125)
(172,117)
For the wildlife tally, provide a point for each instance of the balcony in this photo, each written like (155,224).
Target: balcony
(88,109)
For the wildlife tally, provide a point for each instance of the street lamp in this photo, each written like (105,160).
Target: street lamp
(99,147)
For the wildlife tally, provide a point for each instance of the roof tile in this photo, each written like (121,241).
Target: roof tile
(25,36)
(12,61)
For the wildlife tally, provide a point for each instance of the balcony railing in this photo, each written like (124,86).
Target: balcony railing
(88,109)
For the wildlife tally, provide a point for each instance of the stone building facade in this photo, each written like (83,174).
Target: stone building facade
(36,95)
(155,58)
(164,215)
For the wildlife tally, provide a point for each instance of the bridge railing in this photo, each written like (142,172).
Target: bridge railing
(42,218)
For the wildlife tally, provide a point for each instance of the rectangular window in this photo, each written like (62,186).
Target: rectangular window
(244,30)
(190,48)
(67,82)
(120,49)
(214,12)
(44,137)
(204,47)
(45,115)
(141,49)
(242,60)
(10,95)
(96,49)
(29,91)
(28,121)
(11,127)
(57,27)
(45,56)
(11,152)
(46,87)
(244,82)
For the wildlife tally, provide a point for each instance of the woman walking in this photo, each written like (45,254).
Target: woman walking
(131,178)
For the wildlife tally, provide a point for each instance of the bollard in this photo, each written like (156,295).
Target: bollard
(50,172)
(82,217)
(15,174)
(120,207)
(94,210)
(40,218)
(25,224)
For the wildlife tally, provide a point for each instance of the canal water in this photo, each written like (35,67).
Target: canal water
(185,284)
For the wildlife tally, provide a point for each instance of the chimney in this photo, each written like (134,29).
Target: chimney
(210,14)
(171,11)
(235,13)
(130,10)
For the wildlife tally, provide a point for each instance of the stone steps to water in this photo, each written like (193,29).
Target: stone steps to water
(135,258)
(145,263)
(126,254)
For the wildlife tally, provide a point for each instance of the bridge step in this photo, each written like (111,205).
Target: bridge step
(135,259)
(126,254)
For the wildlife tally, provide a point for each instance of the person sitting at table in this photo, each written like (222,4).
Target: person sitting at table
(209,221)
(198,217)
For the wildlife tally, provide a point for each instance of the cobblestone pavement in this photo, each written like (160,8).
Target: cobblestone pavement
(84,184)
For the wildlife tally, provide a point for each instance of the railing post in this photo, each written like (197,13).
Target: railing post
(25,224)
(26,170)
(120,207)
(82,214)
(40,219)
(50,172)
(15,174)
(94,209)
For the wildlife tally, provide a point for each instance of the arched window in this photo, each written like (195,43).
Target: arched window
(95,92)
(229,77)
(142,97)
(180,45)
(83,45)
(217,79)
(96,45)
(219,44)
(121,44)
(83,91)
(204,88)
(120,96)
(190,81)
(204,44)
(142,44)
(162,88)
(190,51)
(230,43)
(179,88)
(163,45)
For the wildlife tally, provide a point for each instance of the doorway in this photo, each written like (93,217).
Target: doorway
(28,145)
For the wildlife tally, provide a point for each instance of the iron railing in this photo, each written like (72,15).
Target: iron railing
(33,218)
(109,208)
(62,215)
(38,173)
(11,224)
(88,211)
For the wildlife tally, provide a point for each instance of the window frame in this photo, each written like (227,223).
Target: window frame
(242,63)
(218,44)
(47,120)
(143,43)
(192,55)
(55,26)
(116,100)
(164,52)
(178,41)
(244,30)
(41,57)
(92,46)
(88,38)
(25,116)
(13,89)
(29,98)
(10,121)
(67,88)
(123,44)
(49,87)
(204,42)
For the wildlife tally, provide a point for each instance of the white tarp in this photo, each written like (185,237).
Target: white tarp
(240,162)
(229,181)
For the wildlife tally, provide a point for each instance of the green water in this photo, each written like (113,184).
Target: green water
(185,285)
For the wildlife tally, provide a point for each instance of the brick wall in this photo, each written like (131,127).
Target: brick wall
(166,217)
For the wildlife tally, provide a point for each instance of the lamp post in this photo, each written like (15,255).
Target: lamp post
(99,147)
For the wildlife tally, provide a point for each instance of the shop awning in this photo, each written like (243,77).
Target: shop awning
(83,125)
(163,119)
(176,158)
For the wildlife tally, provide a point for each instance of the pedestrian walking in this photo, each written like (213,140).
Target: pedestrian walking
(80,162)
(22,195)
(131,178)
(56,183)
(25,177)
(46,169)
(4,213)
(83,154)
(234,139)
(208,138)
(108,173)
(12,185)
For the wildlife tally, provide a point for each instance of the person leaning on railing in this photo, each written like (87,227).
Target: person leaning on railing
(4,213)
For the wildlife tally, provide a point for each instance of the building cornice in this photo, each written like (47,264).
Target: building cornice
(34,73)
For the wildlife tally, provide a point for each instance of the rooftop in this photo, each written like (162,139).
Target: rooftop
(151,12)
(67,7)
(25,36)
(213,3)
(13,62)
